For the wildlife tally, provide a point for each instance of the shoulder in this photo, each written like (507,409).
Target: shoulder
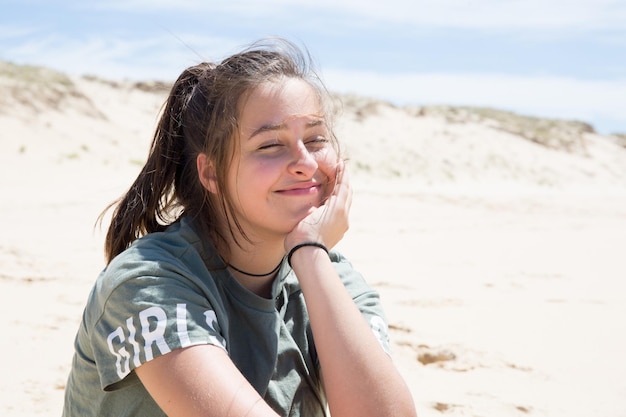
(346,271)
(155,297)
(176,251)
(157,268)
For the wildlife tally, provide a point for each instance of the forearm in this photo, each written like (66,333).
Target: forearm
(359,377)
(183,383)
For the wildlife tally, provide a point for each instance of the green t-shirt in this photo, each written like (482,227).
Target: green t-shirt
(170,290)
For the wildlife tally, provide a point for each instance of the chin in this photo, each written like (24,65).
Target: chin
(300,214)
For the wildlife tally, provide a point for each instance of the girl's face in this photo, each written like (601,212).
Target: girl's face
(285,163)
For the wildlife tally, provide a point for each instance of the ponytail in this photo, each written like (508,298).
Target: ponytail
(151,202)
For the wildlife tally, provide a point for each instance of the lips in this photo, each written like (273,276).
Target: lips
(305,188)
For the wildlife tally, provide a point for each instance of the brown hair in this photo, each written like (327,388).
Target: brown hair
(201,116)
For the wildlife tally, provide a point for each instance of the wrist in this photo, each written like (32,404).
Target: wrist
(305,245)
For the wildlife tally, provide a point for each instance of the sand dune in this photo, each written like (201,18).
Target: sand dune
(496,241)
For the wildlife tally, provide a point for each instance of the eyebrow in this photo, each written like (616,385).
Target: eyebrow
(282,126)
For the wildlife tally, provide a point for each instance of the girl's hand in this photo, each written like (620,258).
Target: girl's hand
(327,223)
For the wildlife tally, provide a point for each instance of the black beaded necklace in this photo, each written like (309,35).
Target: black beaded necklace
(256,275)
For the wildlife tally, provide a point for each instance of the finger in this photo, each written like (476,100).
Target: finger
(349,199)
(341,199)
(343,190)
(339,174)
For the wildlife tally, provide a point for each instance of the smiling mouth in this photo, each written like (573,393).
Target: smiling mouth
(305,190)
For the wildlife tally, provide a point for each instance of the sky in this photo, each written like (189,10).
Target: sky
(547,58)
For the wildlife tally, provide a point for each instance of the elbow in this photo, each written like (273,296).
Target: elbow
(405,408)
(402,404)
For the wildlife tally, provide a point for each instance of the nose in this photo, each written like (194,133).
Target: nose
(303,164)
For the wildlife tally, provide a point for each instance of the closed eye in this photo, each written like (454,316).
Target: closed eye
(270,145)
(316,142)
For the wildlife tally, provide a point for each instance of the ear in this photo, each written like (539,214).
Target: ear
(206,173)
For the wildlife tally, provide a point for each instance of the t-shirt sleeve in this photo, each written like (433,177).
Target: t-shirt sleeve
(366,298)
(148,316)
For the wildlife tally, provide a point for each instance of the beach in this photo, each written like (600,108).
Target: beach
(499,258)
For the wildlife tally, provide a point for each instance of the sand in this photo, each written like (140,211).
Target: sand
(500,261)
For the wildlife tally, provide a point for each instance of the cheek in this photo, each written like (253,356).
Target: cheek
(254,177)
(327,161)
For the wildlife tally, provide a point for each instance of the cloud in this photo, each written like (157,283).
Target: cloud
(498,14)
(119,57)
(559,97)
(16,31)
(137,44)
(579,15)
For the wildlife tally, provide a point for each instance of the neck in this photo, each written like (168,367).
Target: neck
(255,265)
(250,274)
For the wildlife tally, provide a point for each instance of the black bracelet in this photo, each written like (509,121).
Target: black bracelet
(301,245)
